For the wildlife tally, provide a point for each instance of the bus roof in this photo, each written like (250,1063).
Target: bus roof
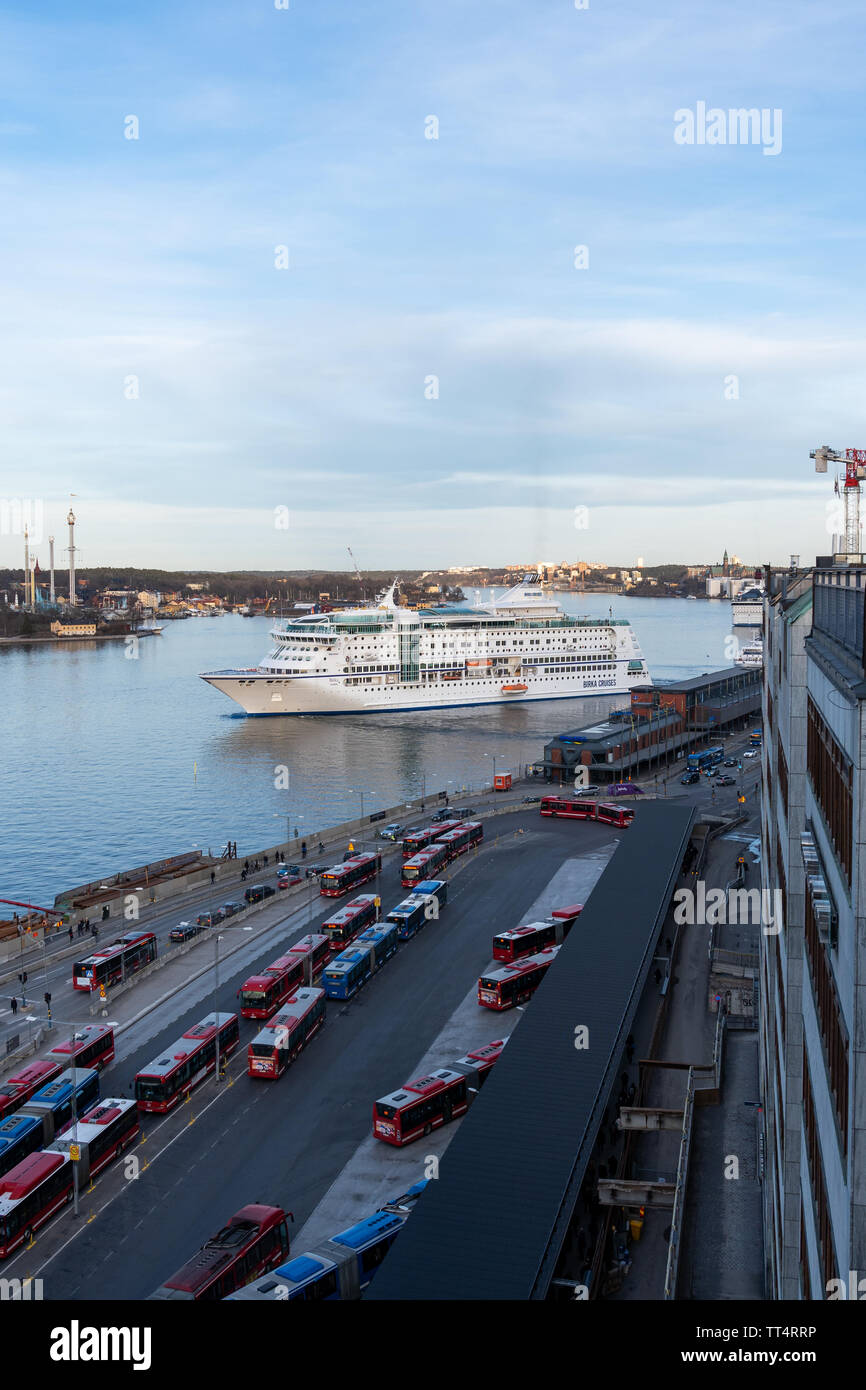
(488,1053)
(309,943)
(350,910)
(80,1038)
(423,1086)
(14,1127)
(222,1248)
(515,933)
(565,914)
(295,1008)
(368,1231)
(26,1175)
(178,1051)
(28,1076)
(518,967)
(59,1091)
(93,1123)
(429,885)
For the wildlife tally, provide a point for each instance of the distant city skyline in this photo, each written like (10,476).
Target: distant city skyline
(469,296)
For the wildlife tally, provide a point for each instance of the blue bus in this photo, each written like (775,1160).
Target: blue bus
(432,888)
(20,1135)
(52,1105)
(339,1268)
(707,758)
(354,966)
(409,916)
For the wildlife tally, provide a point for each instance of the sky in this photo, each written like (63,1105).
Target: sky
(283,320)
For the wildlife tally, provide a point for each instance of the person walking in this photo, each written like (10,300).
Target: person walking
(303,849)
(70,932)
(13,1004)
(212,876)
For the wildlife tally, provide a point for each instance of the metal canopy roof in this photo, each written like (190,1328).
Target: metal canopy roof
(492,1225)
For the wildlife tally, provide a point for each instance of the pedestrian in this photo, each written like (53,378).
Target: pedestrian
(212,876)
(321,848)
(13,1004)
(246,866)
(70,931)
(303,849)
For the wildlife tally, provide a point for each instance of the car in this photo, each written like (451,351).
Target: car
(184,931)
(391,832)
(259,892)
(470,810)
(753,753)
(690,777)
(726,781)
(712,772)
(590,790)
(287,876)
(443,814)
(229,909)
(730,762)
(530,800)
(212,918)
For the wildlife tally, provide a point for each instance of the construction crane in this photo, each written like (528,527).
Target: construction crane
(855,469)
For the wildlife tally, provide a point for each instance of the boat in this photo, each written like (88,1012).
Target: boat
(747,607)
(751,654)
(388,657)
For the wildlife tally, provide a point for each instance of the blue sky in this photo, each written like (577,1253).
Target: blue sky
(411,258)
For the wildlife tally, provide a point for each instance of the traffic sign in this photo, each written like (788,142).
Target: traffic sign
(75,1152)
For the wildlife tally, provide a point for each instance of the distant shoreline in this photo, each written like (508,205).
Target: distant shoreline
(53,641)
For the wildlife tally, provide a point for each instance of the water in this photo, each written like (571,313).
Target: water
(111,762)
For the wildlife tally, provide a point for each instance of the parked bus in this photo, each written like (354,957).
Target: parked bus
(423,1105)
(315,952)
(17,1089)
(92,1045)
(341,1267)
(20,1135)
(286,1034)
(30,1194)
(417,840)
(708,757)
(432,888)
(620,816)
(424,864)
(343,877)
(410,915)
(261,995)
(116,962)
(514,984)
(52,1104)
(343,926)
(102,1133)
(353,967)
(183,1064)
(256,1239)
(518,942)
(463,838)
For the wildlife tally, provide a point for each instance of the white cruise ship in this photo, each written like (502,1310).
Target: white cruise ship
(367,660)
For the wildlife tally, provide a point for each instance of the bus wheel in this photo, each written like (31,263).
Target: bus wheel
(428,1129)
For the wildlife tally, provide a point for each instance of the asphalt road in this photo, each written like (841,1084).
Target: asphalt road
(285,1142)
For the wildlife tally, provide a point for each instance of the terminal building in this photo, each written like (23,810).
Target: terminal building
(662,722)
(813,972)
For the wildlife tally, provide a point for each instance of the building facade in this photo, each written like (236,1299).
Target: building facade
(813,971)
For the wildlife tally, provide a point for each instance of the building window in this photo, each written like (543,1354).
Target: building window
(834,1037)
(826,1251)
(831,776)
(782,765)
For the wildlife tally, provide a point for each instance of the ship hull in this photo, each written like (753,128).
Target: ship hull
(266,695)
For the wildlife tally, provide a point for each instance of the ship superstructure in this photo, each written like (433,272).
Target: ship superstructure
(521,646)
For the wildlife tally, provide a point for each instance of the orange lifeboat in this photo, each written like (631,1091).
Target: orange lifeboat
(516,688)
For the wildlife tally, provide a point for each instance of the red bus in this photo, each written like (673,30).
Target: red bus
(342,877)
(183,1064)
(444,827)
(420,1107)
(423,1105)
(101,1134)
(115,962)
(90,1046)
(30,1194)
(17,1089)
(315,952)
(620,816)
(514,984)
(255,1240)
(342,927)
(536,936)
(261,995)
(418,839)
(423,865)
(286,1035)
(460,840)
